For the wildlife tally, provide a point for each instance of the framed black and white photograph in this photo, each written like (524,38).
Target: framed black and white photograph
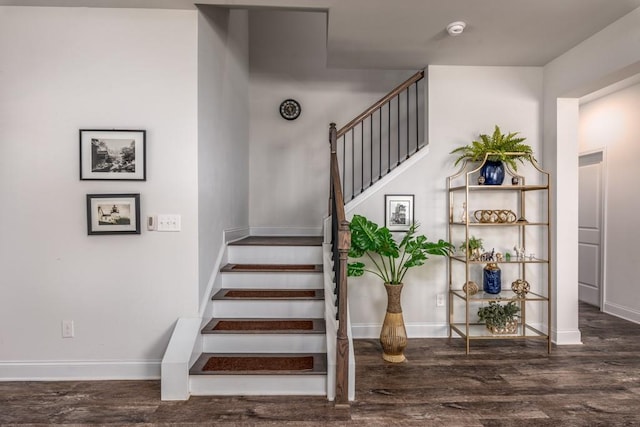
(113,213)
(398,212)
(113,155)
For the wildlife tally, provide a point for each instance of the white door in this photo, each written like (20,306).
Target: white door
(590,241)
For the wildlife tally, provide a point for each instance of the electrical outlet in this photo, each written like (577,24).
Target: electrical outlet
(67,329)
(440,300)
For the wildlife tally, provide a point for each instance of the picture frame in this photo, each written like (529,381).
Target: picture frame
(398,211)
(113,214)
(113,154)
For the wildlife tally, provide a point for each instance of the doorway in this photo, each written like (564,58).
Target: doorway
(590,228)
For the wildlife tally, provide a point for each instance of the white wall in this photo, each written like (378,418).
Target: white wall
(463,102)
(611,123)
(289,160)
(223,133)
(63,69)
(608,56)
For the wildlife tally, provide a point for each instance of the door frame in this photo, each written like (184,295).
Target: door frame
(603,220)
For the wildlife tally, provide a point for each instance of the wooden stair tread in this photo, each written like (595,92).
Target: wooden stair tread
(260,364)
(279,241)
(264,326)
(272,268)
(242,294)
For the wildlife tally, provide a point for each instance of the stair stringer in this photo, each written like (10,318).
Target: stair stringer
(332,331)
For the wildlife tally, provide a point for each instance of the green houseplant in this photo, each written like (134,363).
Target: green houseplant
(472,247)
(390,262)
(497,148)
(500,318)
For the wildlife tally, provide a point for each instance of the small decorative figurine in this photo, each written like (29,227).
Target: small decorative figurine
(519,252)
(463,216)
(499,257)
(515,180)
(532,256)
(481,180)
(507,256)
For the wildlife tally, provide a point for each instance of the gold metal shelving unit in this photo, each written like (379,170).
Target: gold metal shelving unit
(463,306)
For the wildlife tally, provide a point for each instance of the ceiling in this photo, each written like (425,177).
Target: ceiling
(410,34)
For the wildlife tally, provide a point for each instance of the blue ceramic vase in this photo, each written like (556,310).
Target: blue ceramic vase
(493,172)
(492,279)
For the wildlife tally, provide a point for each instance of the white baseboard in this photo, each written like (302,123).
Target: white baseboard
(569,337)
(233,234)
(414,330)
(286,231)
(80,370)
(623,312)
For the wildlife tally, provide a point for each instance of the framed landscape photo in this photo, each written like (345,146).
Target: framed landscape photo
(113,155)
(398,212)
(113,213)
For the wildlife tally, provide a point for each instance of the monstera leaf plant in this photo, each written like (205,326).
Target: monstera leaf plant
(390,260)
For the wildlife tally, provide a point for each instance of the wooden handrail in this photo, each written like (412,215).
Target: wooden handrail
(411,80)
(341,242)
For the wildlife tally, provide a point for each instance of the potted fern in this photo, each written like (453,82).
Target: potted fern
(390,262)
(495,150)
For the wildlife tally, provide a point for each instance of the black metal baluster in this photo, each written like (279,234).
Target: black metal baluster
(353,162)
(380,145)
(361,157)
(407,153)
(344,159)
(370,150)
(417,120)
(398,126)
(389,138)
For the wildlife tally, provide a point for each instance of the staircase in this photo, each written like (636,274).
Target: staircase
(267,335)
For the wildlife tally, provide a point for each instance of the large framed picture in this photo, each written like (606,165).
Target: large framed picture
(113,213)
(113,155)
(398,212)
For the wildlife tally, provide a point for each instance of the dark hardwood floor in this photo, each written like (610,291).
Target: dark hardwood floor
(498,384)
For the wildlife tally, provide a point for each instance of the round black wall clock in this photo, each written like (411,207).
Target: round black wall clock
(290,109)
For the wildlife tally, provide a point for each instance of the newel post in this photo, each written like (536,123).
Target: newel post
(342,357)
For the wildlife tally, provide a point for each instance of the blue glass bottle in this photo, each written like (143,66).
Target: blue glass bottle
(492,279)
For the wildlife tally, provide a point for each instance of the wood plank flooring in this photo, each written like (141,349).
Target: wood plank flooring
(498,384)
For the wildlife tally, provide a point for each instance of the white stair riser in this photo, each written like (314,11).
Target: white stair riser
(275,254)
(258,385)
(273,280)
(264,343)
(268,309)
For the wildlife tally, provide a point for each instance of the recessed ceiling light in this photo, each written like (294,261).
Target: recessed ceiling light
(456,28)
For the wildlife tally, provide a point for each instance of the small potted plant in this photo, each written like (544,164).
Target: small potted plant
(390,261)
(496,148)
(472,248)
(500,318)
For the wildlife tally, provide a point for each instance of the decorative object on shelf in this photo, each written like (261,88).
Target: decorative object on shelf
(515,180)
(499,257)
(494,150)
(500,318)
(520,287)
(470,288)
(472,248)
(481,180)
(390,262)
(113,214)
(519,252)
(507,257)
(112,155)
(290,109)
(532,256)
(492,278)
(398,212)
(463,215)
(498,216)
(488,256)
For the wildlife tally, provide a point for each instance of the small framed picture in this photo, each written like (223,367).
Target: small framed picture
(113,155)
(113,213)
(398,212)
